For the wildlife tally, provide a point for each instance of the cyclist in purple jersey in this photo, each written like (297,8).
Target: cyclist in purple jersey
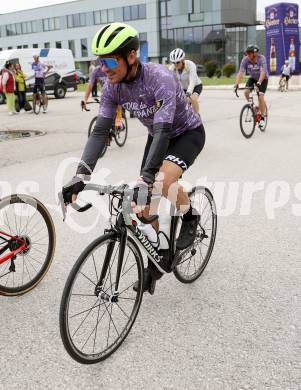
(97,76)
(40,70)
(176,134)
(255,65)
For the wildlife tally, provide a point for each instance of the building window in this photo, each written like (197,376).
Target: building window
(84,47)
(76,20)
(134,12)
(35,45)
(71,46)
(25,46)
(111,16)
(47,45)
(196,10)
(51,24)
(19,47)
(58,45)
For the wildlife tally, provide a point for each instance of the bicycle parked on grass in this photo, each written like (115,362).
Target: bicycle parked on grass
(118,131)
(250,114)
(27,243)
(99,305)
(39,103)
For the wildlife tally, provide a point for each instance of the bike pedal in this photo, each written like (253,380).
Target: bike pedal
(152,287)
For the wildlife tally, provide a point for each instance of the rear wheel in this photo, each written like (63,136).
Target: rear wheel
(95,319)
(247,121)
(193,260)
(37,104)
(25,220)
(90,129)
(121,132)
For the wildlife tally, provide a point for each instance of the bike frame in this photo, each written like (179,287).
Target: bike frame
(121,230)
(13,253)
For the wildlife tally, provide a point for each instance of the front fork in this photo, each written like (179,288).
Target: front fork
(99,289)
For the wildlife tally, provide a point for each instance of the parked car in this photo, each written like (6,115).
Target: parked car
(81,77)
(201,70)
(59,79)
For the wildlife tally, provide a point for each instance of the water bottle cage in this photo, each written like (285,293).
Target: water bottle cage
(166,237)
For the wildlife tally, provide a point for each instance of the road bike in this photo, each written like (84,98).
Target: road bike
(250,115)
(39,103)
(118,131)
(282,84)
(27,243)
(99,305)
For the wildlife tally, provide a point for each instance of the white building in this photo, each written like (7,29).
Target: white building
(72,26)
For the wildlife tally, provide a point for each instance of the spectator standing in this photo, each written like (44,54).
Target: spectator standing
(20,87)
(8,85)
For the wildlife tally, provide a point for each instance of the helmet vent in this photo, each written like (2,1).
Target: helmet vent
(101,34)
(113,35)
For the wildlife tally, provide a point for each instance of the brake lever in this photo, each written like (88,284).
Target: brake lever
(80,209)
(236,92)
(62,203)
(84,106)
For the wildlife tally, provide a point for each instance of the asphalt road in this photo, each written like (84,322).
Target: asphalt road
(238,326)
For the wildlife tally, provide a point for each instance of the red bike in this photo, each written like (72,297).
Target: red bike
(27,243)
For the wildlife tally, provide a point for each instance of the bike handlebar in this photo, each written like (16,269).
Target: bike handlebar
(124,191)
(83,104)
(244,88)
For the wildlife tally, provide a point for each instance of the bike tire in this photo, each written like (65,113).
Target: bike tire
(121,141)
(182,276)
(37,106)
(263,129)
(43,212)
(70,345)
(90,129)
(245,111)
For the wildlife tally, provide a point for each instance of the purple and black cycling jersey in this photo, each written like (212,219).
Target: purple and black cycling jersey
(157,99)
(155,96)
(252,69)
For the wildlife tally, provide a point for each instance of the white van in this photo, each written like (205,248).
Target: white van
(60,78)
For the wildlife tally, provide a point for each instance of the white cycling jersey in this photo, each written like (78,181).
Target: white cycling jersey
(188,77)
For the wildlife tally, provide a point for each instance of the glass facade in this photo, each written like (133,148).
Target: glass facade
(202,41)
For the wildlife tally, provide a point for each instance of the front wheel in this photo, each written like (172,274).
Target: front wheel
(121,132)
(24,220)
(90,129)
(193,260)
(263,128)
(95,318)
(247,121)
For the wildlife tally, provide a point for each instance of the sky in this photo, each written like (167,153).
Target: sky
(17,5)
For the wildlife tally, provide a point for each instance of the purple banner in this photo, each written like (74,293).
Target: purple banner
(282,37)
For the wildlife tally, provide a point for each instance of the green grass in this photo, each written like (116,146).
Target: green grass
(81,87)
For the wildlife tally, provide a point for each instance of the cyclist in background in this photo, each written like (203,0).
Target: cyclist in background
(286,72)
(255,65)
(98,76)
(40,70)
(176,133)
(186,72)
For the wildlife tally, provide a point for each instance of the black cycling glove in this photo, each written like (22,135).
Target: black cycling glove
(142,193)
(74,187)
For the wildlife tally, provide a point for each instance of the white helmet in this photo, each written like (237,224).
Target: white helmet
(176,55)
